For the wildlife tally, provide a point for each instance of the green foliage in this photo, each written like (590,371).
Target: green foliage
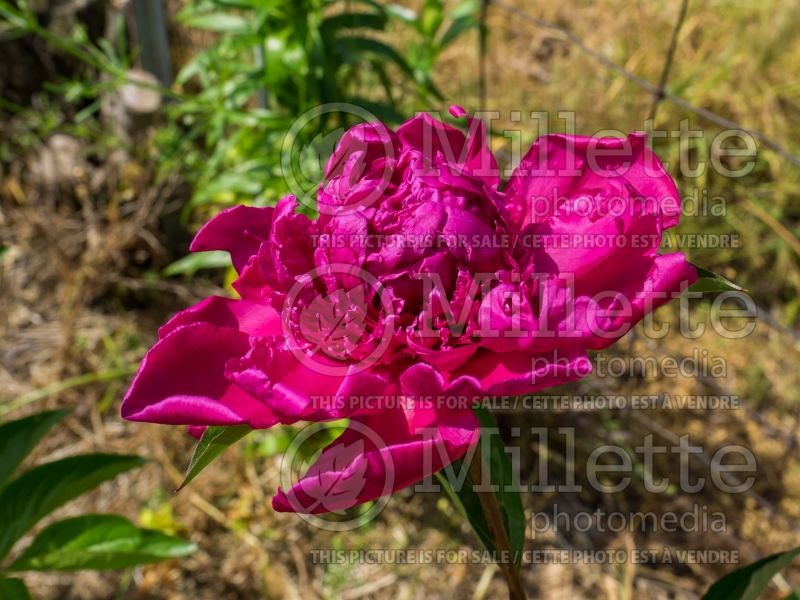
(712,282)
(97,542)
(273,62)
(499,469)
(18,438)
(213,443)
(436,30)
(39,491)
(190,264)
(13,589)
(748,583)
(67,105)
(233,102)
(88,542)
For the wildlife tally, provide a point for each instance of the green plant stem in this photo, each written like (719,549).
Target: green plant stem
(491,509)
(60,386)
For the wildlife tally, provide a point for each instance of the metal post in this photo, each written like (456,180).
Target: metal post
(151,31)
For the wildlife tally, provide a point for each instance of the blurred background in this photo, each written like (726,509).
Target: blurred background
(124,125)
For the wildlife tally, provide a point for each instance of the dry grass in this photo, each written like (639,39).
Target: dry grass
(76,298)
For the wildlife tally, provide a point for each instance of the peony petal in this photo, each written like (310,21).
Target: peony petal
(290,248)
(524,373)
(293,390)
(608,304)
(238,230)
(558,166)
(377,455)
(181,381)
(196,431)
(252,318)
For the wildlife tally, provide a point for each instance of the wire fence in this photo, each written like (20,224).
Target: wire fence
(152,29)
(659,92)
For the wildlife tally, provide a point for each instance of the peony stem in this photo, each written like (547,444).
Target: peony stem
(494,518)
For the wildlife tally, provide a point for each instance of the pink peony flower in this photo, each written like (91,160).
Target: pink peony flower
(421,279)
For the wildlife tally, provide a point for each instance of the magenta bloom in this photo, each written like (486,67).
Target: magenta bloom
(421,286)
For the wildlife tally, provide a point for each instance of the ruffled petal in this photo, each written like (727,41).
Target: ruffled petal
(239,230)
(480,159)
(293,390)
(608,307)
(512,373)
(252,318)
(290,248)
(557,167)
(181,381)
(379,454)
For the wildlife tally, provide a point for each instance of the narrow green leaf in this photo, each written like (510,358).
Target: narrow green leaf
(213,443)
(457,27)
(467,503)
(466,8)
(39,491)
(18,438)
(372,4)
(15,18)
(795,595)
(749,582)
(501,473)
(13,589)
(191,263)
(510,500)
(237,4)
(217,21)
(354,48)
(402,13)
(712,282)
(431,17)
(192,68)
(98,542)
(353,20)
(244,184)
(384,112)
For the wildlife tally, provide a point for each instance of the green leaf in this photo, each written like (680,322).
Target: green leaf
(795,595)
(502,474)
(457,27)
(510,500)
(465,9)
(431,17)
(15,18)
(213,443)
(402,13)
(372,4)
(190,264)
(39,491)
(237,4)
(749,582)
(191,69)
(353,20)
(384,112)
(468,504)
(18,438)
(244,184)
(13,589)
(355,47)
(98,542)
(217,21)
(711,282)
